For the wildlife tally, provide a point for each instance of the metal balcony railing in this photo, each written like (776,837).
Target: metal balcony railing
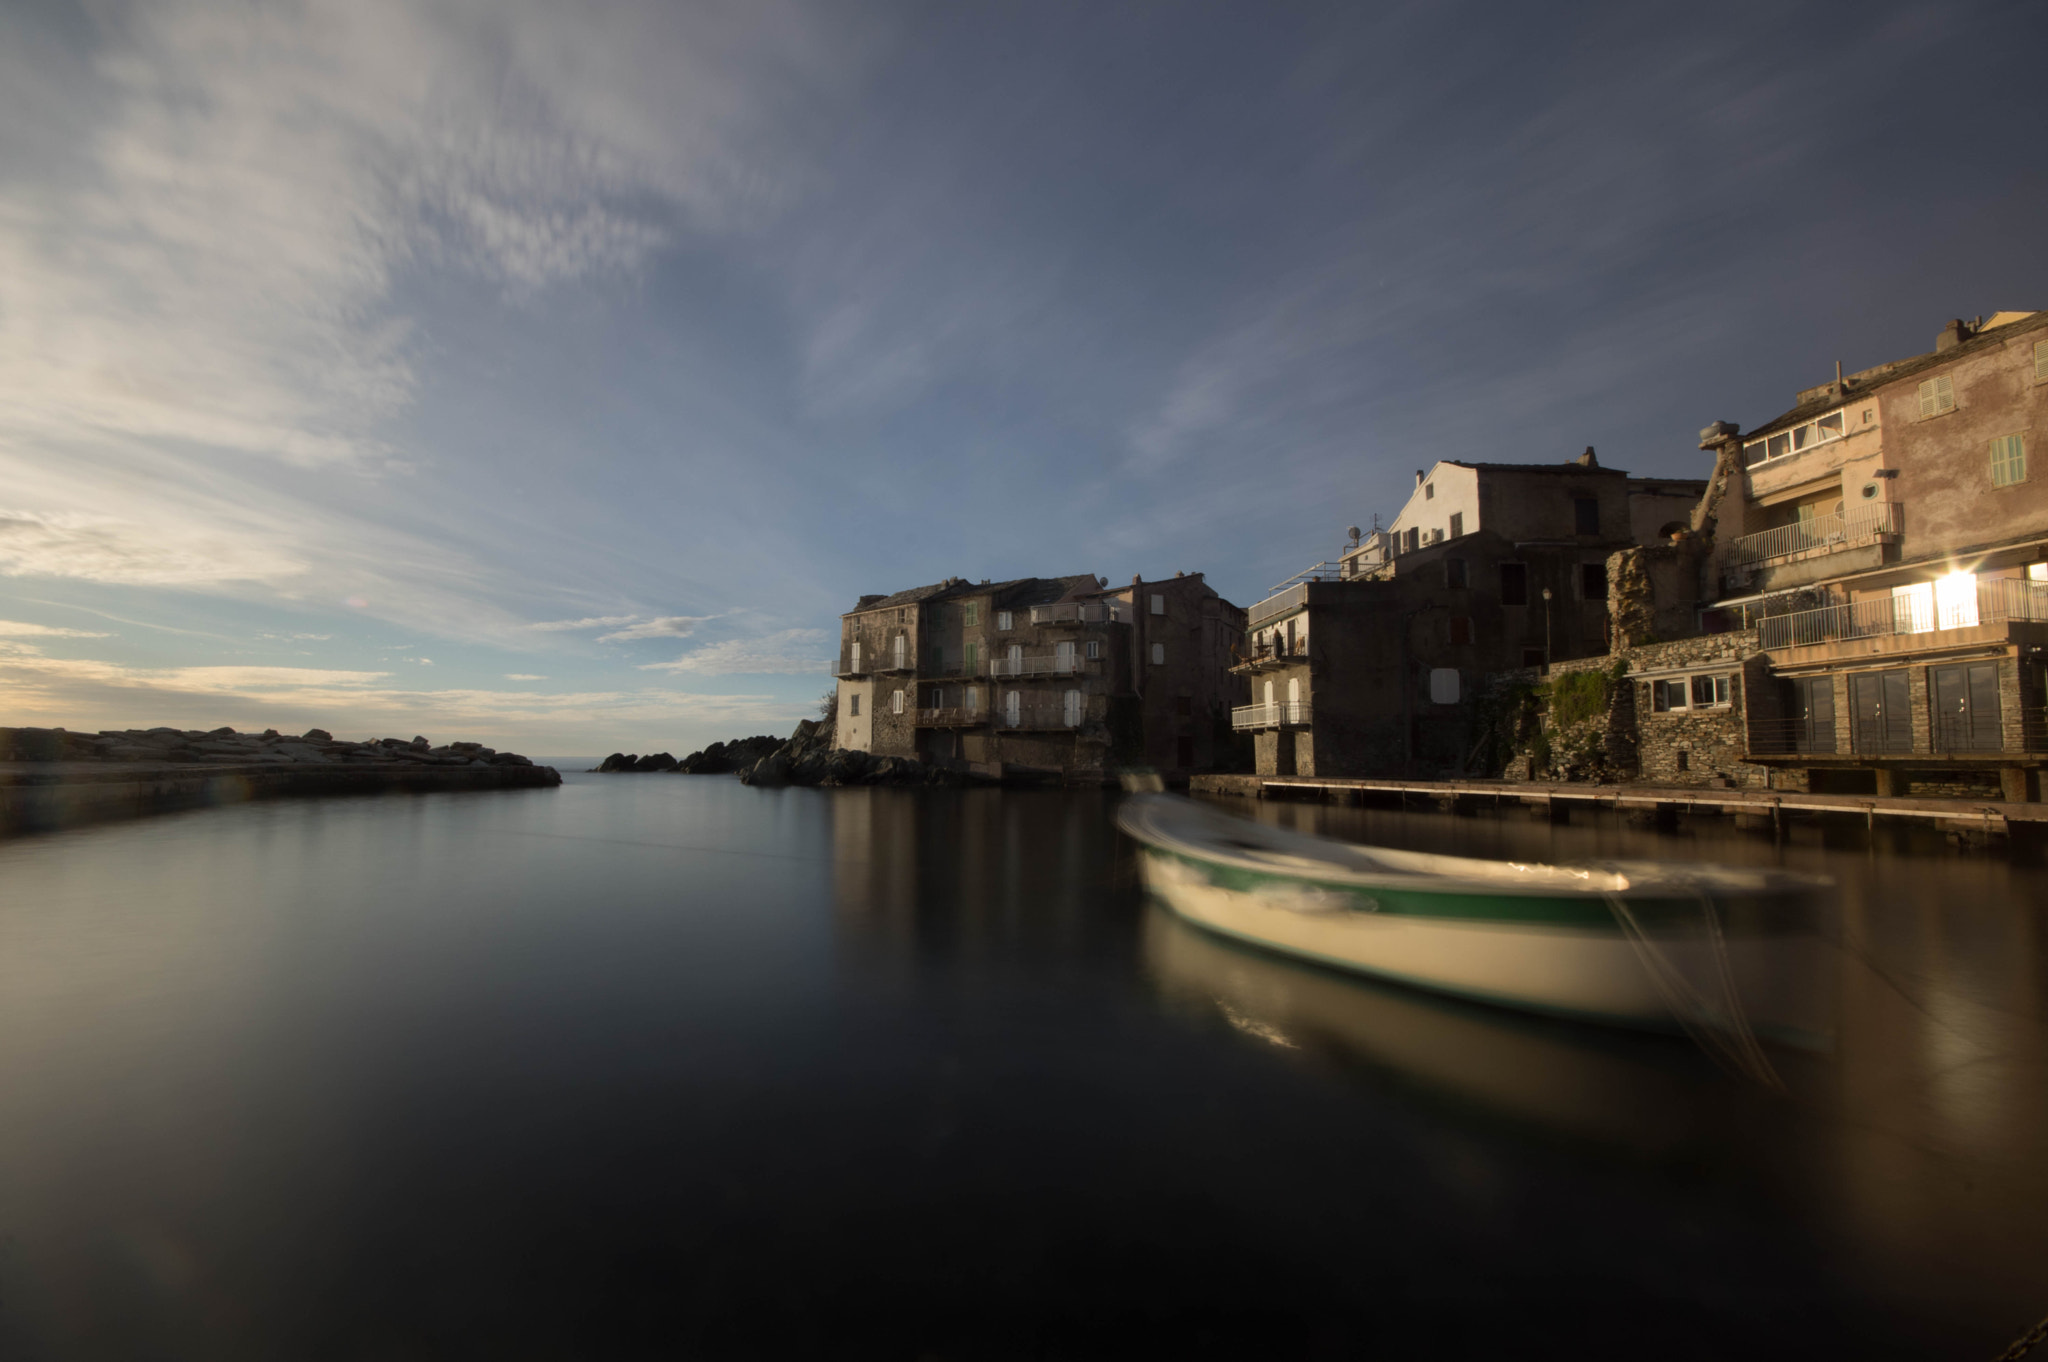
(1792,737)
(1273,607)
(1861,525)
(1039,717)
(1044,664)
(1998,601)
(1279,714)
(1076,612)
(951,716)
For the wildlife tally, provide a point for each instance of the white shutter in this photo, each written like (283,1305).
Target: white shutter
(901,646)
(1073,714)
(1013,708)
(896,703)
(855,661)
(1065,658)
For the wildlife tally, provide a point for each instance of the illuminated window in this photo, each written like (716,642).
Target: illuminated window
(2008,460)
(1937,395)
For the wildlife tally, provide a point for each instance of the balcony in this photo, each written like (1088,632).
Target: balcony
(1044,664)
(951,716)
(1266,657)
(1947,735)
(1822,534)
(1279,714)
(1934,611)
(1273,607)
(1077,612)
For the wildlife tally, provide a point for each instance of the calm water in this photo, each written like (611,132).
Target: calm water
(657,1064)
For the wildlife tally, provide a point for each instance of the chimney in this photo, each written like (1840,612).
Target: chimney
(1418,477)
(1952,335)
(1586,460)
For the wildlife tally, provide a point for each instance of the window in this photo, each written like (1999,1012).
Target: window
(896,703)
(1454,573)
(1158,604)
(902,644)
(1593,580)
(1429,492)
(1806,436)
(1461,630)
(1184,706)
(1684,760)
(2040,360)
(1514,583)
(1005,620)
(1532,657)
(853,705)
(971,659)
(1937,395)
(937,700)
(1708,691)
(1443,685)
(1414,538)
(971,614)
(1094,648)
(853,656)
(939,658)
(1457,523)
(1585,515)
(1667,695)
(2008,460)
(973,699)
(1159,654)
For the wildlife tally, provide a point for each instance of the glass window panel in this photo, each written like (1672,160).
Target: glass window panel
(1828,427)
(1780,445)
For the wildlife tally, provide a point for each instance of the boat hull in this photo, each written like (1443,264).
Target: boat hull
(1539,954)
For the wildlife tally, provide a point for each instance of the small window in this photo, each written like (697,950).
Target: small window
(1094,648)
(937,700)
(1455,573)
(1443,685)
(2008,460)
(970,614)
(1937,395)
(1158,604)
(2040,360)
(902,615)
(853,706)
(1514,583)
(1593,580)
(1005,620)
(1461,630)
(1869,415)
(1708,691)
(1585,515)
(1457,523)
(1184,706)
(1667,695)
(1159,654)
(1684,760)
(896,702)
(1429,492)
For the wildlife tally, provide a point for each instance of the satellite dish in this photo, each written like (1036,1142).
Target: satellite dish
(1354,532)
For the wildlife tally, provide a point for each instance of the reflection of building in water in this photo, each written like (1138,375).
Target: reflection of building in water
(972,869)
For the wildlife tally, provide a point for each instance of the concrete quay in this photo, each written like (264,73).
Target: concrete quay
(1760,809)
(46,796)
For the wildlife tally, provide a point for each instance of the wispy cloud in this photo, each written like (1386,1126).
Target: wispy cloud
(592,622)
(19,629)
(668,626)
(523,676)
(788,653)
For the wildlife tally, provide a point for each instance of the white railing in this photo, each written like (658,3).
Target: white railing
(1279,714)
(1859,526)
(1271,608)
(1997,601)
(1038,664)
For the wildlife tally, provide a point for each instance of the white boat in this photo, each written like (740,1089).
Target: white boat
(1724,953)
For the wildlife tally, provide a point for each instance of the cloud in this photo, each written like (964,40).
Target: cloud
(790,652)
(523,676)
(18,629)
(669,626)
(593,622)
(99,548)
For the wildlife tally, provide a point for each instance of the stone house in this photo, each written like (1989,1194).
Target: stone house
(1369,668)
(1886,543)
(1041,675)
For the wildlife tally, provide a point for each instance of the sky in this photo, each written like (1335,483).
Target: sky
(554,375)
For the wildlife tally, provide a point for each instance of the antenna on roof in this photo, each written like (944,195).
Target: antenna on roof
(1354,533)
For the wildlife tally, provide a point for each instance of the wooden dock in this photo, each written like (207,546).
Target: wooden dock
(1774,806)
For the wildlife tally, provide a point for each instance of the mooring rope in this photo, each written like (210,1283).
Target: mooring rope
(1726,1038)
(2025,1343)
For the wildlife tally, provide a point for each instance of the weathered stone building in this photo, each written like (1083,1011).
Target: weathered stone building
(1042,675)
(1369,668)
(1886,540)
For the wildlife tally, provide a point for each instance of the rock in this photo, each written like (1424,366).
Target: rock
(655,761)
(223,732)
(617,761)
(317,735)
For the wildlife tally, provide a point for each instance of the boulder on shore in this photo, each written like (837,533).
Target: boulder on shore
(809,758)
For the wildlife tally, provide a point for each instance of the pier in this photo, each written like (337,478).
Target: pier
(1758,808)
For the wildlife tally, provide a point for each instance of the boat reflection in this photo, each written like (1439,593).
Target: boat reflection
(1644,1092)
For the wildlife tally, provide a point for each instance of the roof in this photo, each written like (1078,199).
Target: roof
(1572,467)
(1818,401)
(1016,591)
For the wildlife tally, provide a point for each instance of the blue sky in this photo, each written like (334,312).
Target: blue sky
(553,375)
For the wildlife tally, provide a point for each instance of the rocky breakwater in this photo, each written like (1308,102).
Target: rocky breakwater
(50,777)
(719,759)
(809,758)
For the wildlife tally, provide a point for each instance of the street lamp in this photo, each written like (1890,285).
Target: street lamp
(1547,632)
